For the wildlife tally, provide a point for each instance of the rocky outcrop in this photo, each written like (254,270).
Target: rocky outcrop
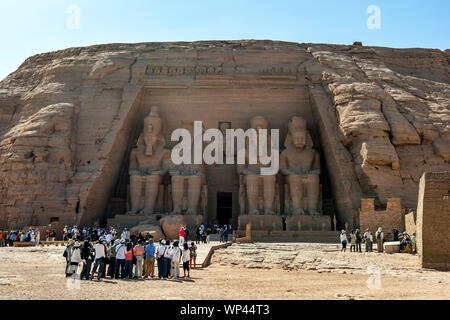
(393,113)
(67,118)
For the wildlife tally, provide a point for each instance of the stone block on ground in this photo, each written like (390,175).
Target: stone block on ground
(391,247)
(154,230)
(171,225)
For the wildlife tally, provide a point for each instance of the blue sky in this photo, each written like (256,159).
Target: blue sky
(28,27)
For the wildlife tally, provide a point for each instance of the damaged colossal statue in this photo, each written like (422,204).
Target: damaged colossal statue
(252,181)
(300,164)
(189,190)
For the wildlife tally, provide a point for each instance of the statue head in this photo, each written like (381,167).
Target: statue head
(152,134)
(259,122)
(298,134)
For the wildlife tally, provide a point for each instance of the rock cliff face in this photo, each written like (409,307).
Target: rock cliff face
(382,117)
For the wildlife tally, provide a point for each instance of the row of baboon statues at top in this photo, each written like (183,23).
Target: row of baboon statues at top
(151,160)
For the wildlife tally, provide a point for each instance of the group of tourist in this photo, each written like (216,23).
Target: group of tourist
(89,232)
(127,257)
(355,239)
(8,238)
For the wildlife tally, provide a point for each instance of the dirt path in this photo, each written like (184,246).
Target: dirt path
(38,273)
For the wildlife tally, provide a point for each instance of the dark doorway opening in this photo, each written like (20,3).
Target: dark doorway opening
(224,207)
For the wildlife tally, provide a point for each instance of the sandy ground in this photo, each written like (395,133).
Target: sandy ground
(250,271)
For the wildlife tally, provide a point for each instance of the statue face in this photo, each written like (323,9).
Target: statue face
(259,123)
(152,128)
(298,132)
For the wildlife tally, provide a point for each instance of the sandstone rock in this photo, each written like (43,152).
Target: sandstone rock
(153,230)
(171,225)
(69,119)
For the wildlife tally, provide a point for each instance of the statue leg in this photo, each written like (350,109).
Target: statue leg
(177,193)
(135,192)
(151,192)
(194,191)
(269,194)
(296,191)
(312,190)
(252,183)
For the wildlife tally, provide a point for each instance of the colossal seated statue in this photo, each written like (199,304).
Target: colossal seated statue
(251,180)
(189,188)
(149,162)
(300,164)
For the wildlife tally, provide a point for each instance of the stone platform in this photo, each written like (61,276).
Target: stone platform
(261,222)
(272,223)
(293,236)
(308,223)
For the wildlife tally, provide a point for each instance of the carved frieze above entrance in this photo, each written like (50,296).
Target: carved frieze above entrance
(215,71)
(204,70)
(170,70)
(278,72)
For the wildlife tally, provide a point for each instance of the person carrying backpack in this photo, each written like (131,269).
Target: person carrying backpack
(100,259)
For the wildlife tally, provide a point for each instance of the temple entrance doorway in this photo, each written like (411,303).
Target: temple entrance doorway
(224,207)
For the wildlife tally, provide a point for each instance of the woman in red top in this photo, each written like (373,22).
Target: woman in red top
(182,235)
(129,260)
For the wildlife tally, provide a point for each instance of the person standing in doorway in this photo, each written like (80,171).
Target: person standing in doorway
(225,233)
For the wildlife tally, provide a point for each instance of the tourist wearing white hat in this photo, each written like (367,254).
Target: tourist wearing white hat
(175,255)
(100,256)
(121,250)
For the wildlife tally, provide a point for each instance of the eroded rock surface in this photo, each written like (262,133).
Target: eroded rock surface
(323,258)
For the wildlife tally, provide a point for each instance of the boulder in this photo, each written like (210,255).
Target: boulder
(391,247)
(153,230)
(172,224)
